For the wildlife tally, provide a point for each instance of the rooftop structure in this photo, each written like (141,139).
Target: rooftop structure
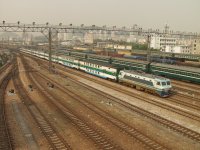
(178,49)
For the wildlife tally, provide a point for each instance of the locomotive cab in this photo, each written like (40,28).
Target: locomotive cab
(163,86)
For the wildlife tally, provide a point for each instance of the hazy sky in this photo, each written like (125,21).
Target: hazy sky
(183,15)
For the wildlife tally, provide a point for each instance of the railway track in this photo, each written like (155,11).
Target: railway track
(188,97)
(162,121)
(123,127)
(189,86)
(187,89)
(187,92)
(5,139)
(91,132)
(178,99)
(4,67)
(52,136)
(151,101)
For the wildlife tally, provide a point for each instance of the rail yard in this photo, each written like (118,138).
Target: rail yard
(99,75)
(71,109)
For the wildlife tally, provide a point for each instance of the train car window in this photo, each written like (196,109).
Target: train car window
(163,83)
(168,82)
(158,83)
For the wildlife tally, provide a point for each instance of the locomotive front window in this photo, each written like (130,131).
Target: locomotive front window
(168,82)
(158,83)
(163,83)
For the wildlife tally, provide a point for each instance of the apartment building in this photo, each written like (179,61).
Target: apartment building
(158,42)
(196,46)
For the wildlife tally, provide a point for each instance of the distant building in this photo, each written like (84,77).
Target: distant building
(131,38)
(114,46)
(141,40)
(178,49)
(68,43)
(158,42)
(61,36)
(122,47)
(196,46)
(68,36)
(80,48)
(184,41)
(125,52)
(65,36)
(103,44)
(88,38)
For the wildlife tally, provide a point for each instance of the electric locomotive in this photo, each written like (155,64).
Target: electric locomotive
(146,82)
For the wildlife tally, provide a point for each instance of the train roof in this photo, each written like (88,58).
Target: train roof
(68,56)
(99,63)
(61,53)
(130,60)
(97,56)
(145,74)
(178,67)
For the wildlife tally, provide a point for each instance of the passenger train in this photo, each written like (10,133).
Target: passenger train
(142,81)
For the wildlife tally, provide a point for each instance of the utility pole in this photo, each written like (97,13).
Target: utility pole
(8,41)
(149,48)
(50,50)
(2,43)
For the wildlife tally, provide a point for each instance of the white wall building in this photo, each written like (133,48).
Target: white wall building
(196,46)
(183,41)
(131,38)
(161,42)
(114,46)
(88,38)
(125,47)
(178,49)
